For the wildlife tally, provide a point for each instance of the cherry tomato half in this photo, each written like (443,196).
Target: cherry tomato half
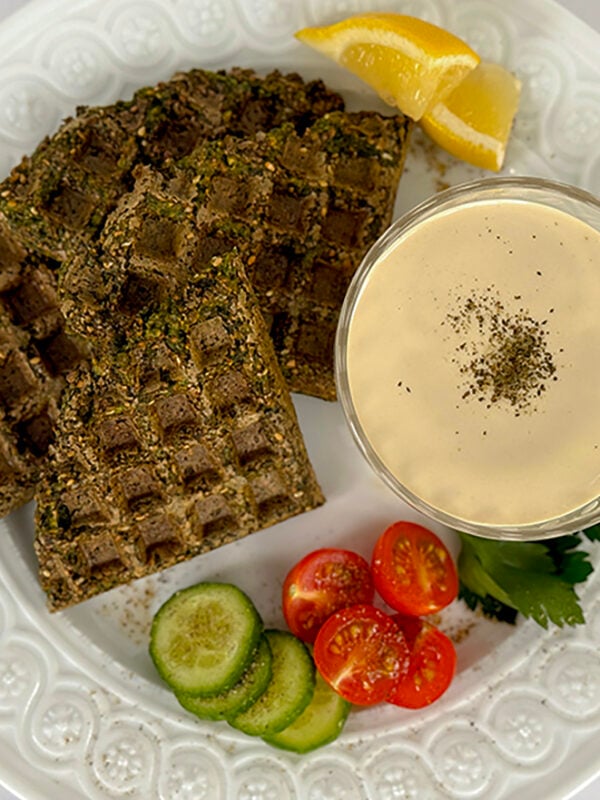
(412,569)
(432,664)
(320,584)
(361,652)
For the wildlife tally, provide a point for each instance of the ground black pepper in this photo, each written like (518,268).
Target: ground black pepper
(503,356)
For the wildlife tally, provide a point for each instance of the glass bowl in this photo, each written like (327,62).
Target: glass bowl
(409,446)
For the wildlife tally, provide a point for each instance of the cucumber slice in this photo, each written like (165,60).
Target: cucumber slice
(320,723)
(242,694)
(289,691)
(203,638)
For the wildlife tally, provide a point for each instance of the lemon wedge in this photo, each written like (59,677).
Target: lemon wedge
(411,64)
(474,122)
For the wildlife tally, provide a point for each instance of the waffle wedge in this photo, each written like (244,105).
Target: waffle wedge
(63,192)
(302,208)
(177,434)
(54,205)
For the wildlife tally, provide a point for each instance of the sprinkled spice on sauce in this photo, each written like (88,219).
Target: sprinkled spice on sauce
(503,356)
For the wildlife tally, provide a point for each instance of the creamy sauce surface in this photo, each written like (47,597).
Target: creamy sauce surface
(445,315)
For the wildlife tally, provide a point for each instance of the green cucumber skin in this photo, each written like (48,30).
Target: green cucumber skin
(314,728)
(217,682)
(241,696)
(269,715)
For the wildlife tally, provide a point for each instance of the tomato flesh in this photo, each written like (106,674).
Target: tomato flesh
(320,584)
(362,653)
(413,570)
(431,668)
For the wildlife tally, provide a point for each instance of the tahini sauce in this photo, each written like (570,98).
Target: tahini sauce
(492,462)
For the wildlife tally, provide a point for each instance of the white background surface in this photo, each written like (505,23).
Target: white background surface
(589,11)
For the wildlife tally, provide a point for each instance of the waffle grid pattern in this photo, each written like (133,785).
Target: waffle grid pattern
(303,209)
(177,435)
(54,204)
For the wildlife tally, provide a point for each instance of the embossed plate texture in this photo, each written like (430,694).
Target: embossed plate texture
(82,714)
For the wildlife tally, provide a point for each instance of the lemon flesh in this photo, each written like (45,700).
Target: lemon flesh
(475,121)
(412,64)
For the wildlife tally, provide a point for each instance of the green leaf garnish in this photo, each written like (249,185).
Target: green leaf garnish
(535,579)
(571,564)
(593,533)
(488,605)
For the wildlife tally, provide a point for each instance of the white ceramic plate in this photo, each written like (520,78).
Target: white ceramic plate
(82,714)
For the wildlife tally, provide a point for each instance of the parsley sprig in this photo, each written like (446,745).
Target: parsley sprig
(536,579)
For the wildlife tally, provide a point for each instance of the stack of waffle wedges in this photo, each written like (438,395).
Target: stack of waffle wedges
(171,267)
